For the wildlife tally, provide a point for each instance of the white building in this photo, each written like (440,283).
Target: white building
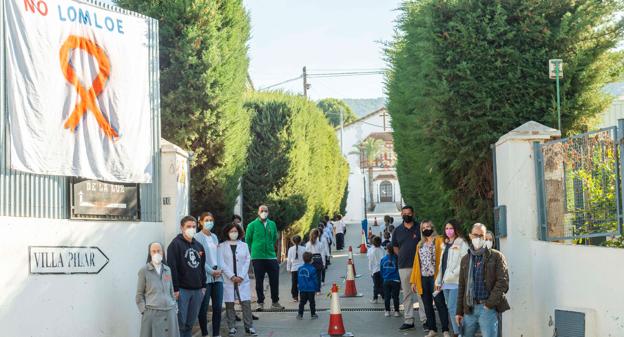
(386,190)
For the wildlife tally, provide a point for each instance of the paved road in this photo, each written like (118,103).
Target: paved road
(368,321)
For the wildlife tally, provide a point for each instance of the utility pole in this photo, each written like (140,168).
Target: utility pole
(306,86)
(555,70)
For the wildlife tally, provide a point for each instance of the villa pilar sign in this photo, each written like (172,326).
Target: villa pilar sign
(66,260)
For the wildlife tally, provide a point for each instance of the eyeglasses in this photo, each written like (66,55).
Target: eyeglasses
(477,235)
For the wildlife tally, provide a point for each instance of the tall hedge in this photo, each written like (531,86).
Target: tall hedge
(463,73)
(203,77)
(294,162)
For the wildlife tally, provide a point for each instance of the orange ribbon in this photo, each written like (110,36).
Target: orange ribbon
(88,98)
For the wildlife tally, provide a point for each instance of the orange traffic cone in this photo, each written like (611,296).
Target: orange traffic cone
(350,257)
(363,247)
(336,325)
(350,289)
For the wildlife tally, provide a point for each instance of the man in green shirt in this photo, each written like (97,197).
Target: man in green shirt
(261,237)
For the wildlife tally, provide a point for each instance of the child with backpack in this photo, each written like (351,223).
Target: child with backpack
(391,280)
(308,285)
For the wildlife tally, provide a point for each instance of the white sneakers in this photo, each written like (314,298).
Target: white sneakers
(387,313)
(432,333)
(375,301)
(446,334)
(397,314)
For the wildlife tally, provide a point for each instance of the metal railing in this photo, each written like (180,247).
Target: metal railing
(579,187)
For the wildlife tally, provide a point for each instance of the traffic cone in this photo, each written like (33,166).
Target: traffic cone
(363,247)
(350,289)
(350,257)
(336,325)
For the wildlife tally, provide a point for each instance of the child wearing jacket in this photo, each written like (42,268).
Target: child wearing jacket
(389,269)
(294,262)
(375,254)
(308,286)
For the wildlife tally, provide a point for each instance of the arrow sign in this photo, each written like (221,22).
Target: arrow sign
(66,260)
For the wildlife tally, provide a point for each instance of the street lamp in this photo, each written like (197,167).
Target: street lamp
(555,71)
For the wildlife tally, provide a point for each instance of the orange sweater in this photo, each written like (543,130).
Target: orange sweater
(416,279)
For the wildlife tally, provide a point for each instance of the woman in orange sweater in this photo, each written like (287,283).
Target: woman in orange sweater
(424,273)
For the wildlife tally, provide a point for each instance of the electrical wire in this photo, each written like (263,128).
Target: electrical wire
(283,82)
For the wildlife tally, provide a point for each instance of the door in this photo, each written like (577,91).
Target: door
(385,191)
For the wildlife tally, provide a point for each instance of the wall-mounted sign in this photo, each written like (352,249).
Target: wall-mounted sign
(97,199)
(66,260)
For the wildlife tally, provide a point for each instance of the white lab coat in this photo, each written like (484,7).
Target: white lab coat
(243,259)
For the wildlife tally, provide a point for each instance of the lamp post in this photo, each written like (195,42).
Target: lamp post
(555,71)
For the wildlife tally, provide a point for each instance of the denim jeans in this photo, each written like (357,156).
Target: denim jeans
(214,291)
(189,302)
(486,319)
(450,295)
(270,267)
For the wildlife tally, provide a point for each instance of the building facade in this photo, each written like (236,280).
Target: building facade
(377,175)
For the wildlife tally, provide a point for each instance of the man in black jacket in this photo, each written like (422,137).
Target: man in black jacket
(186,259)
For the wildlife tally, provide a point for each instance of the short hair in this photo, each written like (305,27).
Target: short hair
(236,217)
(307,257)
(408,207)
(386,235)
(263,205)
(479,225)
(228,228)
(376,241)
(187,219)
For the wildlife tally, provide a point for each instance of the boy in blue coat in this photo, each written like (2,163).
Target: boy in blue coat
(308,285)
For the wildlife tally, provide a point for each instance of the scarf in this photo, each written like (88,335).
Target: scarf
(469,295)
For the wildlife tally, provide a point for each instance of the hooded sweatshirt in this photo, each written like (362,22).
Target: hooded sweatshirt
(186,260)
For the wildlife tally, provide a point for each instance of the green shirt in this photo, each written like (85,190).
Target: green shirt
(261,239)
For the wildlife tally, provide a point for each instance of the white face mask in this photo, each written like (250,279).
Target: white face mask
(209,225)
(189,232)
(157,258)
(477,243)
(264,215)
(488,244)
(233,236)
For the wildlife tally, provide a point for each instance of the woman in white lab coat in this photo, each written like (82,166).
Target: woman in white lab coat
(235,257)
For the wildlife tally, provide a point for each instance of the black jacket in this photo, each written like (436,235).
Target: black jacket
(187,260)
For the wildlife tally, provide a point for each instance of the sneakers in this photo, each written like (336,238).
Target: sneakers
(374,301)
(446,334)
(254,317)
(406,326)
(277,306)
(251,332)
(432,333)
(387,313)
(315,316)
(299,317)
(397,314)
(232,332)
(260,307)
(295,300)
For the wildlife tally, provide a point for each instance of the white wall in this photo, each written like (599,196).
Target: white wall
(175,185)
(545,276)
(72,305)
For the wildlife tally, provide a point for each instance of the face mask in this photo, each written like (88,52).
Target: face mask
(450,233)
(264,215)
(408,218)
(427,232)
(189,232)
(208,225)
(233,235)
(488,244)
(477,243)
(157,258)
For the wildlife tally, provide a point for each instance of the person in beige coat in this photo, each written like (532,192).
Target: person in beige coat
(155,297)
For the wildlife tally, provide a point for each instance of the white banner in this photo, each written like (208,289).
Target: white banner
(78,91)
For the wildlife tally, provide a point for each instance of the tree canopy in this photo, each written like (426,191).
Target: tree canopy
(333,107)
(463,73)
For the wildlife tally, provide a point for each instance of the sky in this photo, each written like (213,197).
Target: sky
(322,35)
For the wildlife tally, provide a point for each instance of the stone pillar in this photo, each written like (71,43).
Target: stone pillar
(516,188)
(175,187)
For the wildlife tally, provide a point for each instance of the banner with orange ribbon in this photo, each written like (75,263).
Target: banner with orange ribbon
(78,90)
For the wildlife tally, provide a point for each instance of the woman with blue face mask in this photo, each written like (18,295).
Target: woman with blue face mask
(214,279)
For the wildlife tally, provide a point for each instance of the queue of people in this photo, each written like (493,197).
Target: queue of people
(464,278)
